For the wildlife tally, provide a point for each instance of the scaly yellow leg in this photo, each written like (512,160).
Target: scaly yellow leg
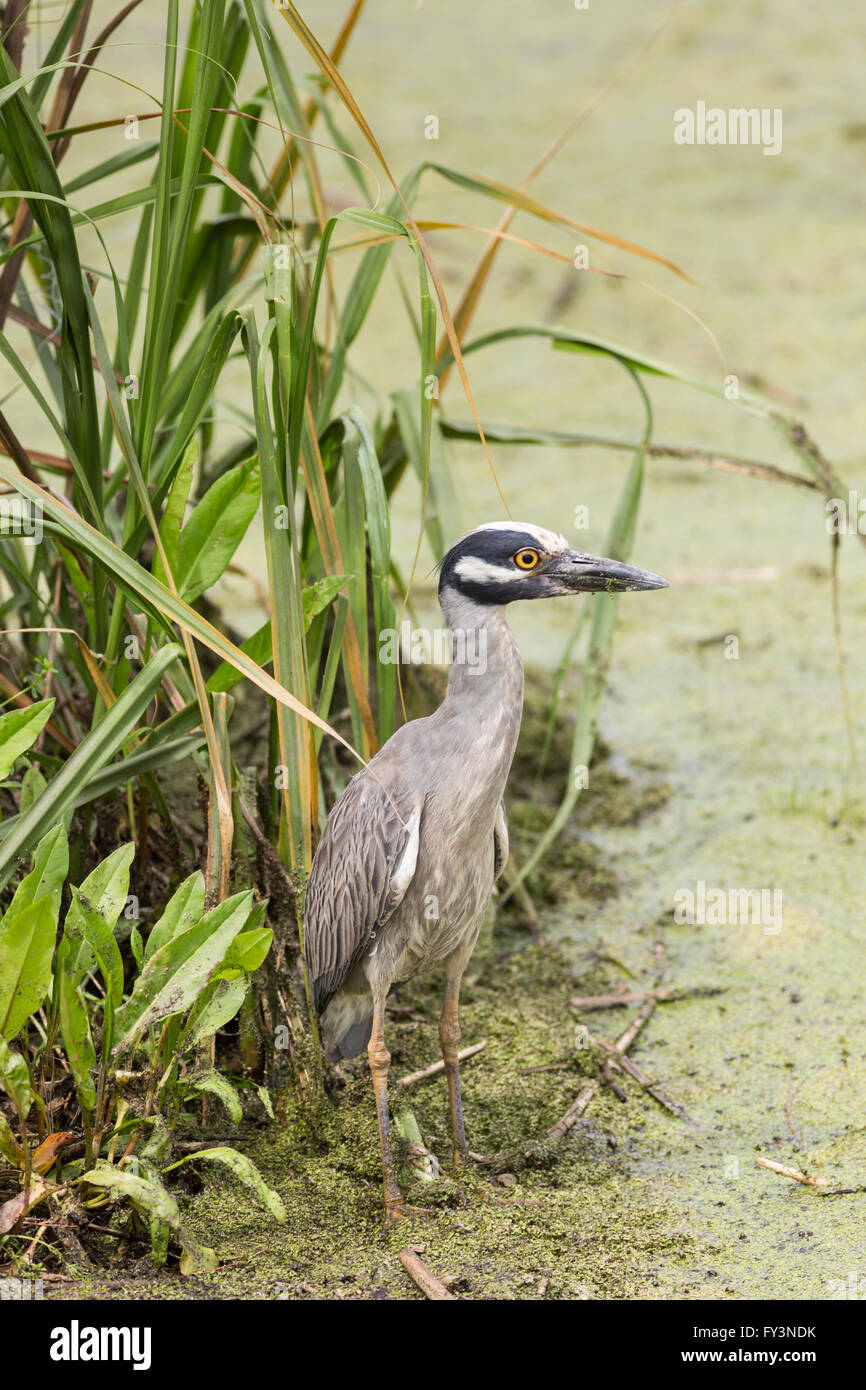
(380,1061)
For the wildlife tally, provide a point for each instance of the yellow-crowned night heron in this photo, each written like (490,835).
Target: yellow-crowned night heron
(405,868)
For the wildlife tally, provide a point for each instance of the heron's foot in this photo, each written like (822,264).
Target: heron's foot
(397,1209)
(459,1164)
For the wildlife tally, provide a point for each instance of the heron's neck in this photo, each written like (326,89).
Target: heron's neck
(485,661)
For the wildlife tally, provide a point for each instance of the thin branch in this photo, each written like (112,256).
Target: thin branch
(440,1066)
(430,1286)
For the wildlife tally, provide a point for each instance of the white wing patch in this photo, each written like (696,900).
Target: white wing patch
(500,840)
(405,868)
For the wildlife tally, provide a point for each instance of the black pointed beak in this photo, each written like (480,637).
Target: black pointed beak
(594,574)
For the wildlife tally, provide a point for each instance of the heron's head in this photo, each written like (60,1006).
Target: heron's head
(508,560)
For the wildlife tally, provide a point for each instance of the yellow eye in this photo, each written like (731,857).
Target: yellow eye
(526,559)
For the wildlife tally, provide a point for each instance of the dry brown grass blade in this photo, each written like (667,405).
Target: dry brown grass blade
(311,43)
(68,90)
(326,533)
(282,169)
(220,815)
(22,701)
(472,293)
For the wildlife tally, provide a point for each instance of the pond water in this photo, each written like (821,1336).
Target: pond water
(754,747)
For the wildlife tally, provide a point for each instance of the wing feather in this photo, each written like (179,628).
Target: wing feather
(362,868)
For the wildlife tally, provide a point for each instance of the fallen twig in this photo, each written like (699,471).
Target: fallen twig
(436,1067)
(662,996)
(621,1046)
(794,1173)
(548,1066)
(639,1075)
(430,1286)
(610,1001)
(824,1186)
(624,1042)
(574,1112)
(607,1077)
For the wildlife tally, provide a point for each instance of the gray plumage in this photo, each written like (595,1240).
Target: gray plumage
(405,869)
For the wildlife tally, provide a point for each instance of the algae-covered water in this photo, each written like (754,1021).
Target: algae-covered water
(750,737)
(747,737)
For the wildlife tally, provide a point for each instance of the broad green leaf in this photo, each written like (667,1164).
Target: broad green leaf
(14,1078)
(219,1086)
(32,785)
(102,895)
(217,1005)
(26,953)
(107,887)
(160,1235)
(185,907)
(19,730)
(243,1168)
(158,1205)
(100,939)
(246,952)
(197,1259)
(316,597)
(77,1039)
(216,528)
(265,1098)
(172,517)
(48,868)
(175,974)
(136,945)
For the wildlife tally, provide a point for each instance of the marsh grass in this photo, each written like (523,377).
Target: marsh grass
(109,624)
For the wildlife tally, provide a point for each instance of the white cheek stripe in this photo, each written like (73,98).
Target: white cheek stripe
(481,571)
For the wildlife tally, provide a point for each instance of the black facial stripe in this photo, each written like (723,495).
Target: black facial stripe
(490,593)
(494,548)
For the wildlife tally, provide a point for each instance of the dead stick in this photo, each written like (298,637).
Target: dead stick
(793,1173)
(574,1112)
(823,1185)
(639,1075)
(622,1044)
(440,1066)
(430,1286)
(609,1001)
(664,996)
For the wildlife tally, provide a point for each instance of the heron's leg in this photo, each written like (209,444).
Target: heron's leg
(449,1037)
(380,1060)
